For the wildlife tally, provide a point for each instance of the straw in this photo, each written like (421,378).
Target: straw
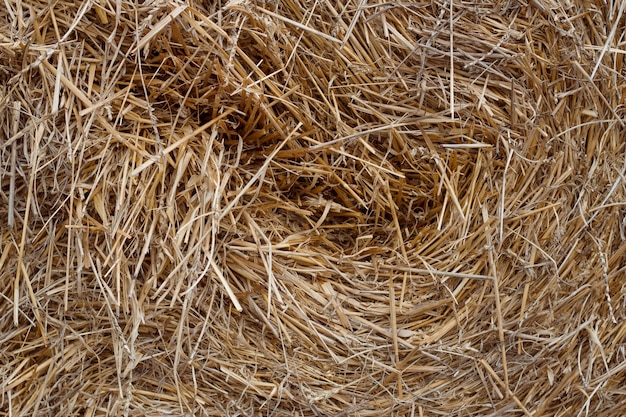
(348,208)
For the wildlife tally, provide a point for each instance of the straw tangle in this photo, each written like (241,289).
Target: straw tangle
(312,208)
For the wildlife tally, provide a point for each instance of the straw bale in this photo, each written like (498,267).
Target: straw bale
(312,208)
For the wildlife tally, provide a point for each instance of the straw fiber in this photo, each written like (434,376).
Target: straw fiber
(312,208)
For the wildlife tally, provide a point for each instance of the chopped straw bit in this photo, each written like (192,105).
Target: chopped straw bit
(348,208)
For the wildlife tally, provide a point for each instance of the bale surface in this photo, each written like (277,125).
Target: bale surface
(312,208)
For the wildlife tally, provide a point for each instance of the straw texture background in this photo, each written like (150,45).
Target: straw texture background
(312,208)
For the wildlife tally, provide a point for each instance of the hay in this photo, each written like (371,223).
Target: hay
(314,208)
